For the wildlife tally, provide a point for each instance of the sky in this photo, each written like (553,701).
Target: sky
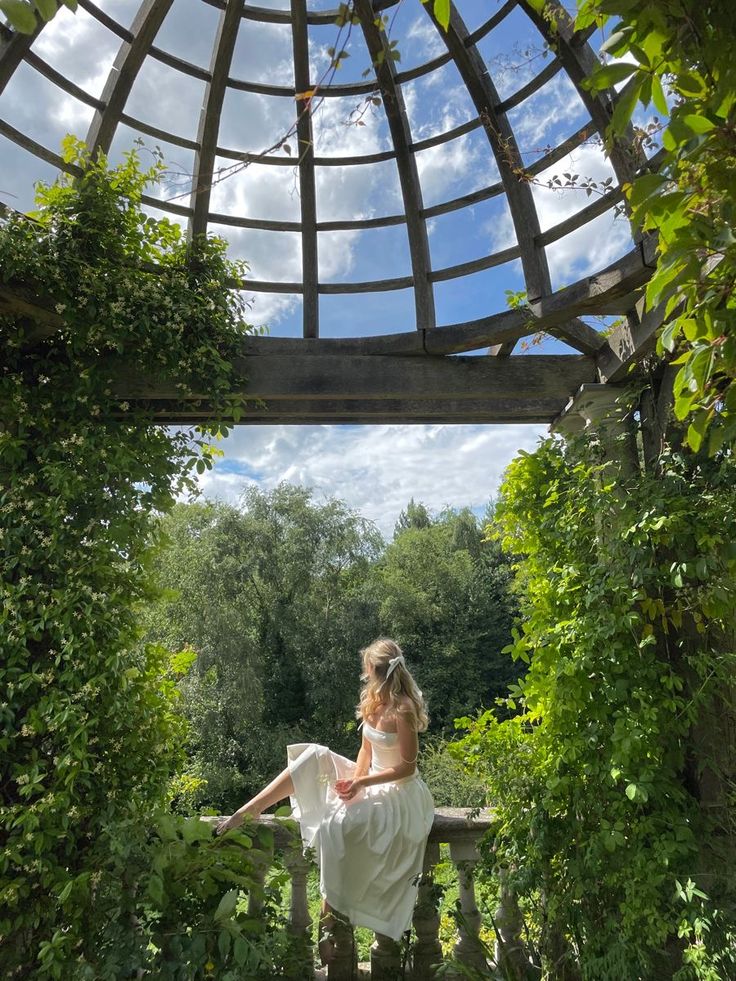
(376,469)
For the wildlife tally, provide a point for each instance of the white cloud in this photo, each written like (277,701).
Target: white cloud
(375,469)
(589,248)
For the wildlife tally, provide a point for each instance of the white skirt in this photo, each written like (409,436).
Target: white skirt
(370,850)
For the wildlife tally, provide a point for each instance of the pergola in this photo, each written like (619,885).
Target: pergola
(468,372)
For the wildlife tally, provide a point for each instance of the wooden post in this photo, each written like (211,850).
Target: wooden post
(427,955)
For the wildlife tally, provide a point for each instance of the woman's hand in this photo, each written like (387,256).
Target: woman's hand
(347,789)
(234,821)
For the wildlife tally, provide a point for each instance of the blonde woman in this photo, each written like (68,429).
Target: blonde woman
(367,821)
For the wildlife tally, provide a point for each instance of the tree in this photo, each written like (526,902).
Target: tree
(414,516)
(442,591)
(271,597)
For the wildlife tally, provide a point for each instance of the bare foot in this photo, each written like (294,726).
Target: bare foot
(236,819)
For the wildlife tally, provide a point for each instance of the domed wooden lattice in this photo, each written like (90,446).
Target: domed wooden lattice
(410,375)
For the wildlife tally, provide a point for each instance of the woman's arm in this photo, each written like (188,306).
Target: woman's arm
(363,761)
(409,747)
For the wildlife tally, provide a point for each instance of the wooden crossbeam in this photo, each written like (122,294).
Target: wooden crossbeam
(613,290)
(375,411)
(356,377)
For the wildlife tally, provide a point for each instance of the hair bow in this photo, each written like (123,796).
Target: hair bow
(393,661)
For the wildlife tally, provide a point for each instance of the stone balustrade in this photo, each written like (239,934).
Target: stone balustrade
(453,827)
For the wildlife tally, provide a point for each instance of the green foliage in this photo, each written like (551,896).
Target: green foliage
(685,49)
(278,595)
(90,733)
(271,596)
(186,892)
(628,598)
(442,591)
(449,780)
(25,15)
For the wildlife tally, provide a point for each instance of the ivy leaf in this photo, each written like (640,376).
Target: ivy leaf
(46,8)
(698,124)
(226,906)
(609,75)
(658,97)
(442,12)
(626,103)
(20,15)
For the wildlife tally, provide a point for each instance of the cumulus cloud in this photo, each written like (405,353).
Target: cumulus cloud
(375,469)
(589,248)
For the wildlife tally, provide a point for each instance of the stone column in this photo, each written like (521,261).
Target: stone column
(468,949)
(300,923)
(385,959)
(427,954)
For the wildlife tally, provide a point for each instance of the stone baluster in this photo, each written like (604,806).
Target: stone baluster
(427,955)
(261,865)
(300,922)
(468,949)
(511,958)
(385,959)
(343,965)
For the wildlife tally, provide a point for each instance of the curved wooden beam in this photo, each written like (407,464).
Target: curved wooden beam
(209,119)
(579,61)
(613,290)
(307,183)
(14,47)
(124,72)
(393,103)
(505,150)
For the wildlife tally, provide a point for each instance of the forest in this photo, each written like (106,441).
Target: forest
(274,598)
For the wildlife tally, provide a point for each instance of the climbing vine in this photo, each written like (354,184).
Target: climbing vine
(91,865)
(607,823)
(679,56)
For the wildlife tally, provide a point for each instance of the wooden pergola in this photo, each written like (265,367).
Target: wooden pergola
(430,374)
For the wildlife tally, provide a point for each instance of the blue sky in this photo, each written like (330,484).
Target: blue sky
(442,465)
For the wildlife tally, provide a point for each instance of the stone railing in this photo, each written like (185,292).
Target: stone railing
(455,828)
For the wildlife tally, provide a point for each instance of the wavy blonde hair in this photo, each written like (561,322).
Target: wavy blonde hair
(404,695)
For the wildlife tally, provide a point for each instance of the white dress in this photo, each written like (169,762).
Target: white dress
(370,849)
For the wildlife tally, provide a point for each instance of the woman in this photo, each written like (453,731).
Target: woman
(368,821)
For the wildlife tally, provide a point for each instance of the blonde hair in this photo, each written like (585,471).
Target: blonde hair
(404,695)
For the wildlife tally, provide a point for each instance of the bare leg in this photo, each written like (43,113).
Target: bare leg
(280,787)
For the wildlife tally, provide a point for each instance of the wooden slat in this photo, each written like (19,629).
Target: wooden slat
(378,377)
(42,152)
(503,144)
(613,290)
(13,48)
(451,134)
(124,71)
(65,84)
(209,120)
(532,86)
(627,344)
(598,207)
(475,265)
(579,61)
(307,185)
(393,103)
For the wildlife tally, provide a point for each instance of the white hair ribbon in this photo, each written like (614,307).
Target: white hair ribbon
(392,662)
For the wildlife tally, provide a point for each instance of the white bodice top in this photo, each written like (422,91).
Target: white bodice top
(384,746)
